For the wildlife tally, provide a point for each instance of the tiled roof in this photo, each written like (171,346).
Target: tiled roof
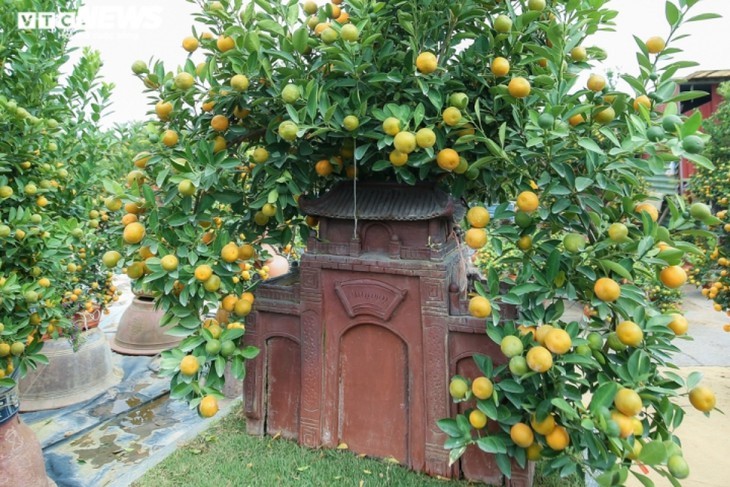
(382,201)
(709,75)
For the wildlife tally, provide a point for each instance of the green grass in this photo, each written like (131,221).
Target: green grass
(225,455)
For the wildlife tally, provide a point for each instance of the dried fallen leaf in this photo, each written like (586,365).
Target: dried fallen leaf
(362,455)
(302,469)
(367,472)
(392,460)
(249,465)
(276,436)
(362,482)
(342,446)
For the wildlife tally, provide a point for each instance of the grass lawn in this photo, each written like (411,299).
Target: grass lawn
(225,455)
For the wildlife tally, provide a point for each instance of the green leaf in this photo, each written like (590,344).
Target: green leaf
(692,123)
(220,366)
(707,16)
(41,359)
(590,145)
(455,454)
(299,39)
(526,288)
(495,149)
(484,363)
(252,42)
(488,407)
(606,479)
(463,423)
(265,5)
(688,95)
(603,397)
(505,465)
(653,453)
(449,427)
(181,390)
(564,406)
(646,243)
(645,481)
(616,267)
(452,443)
(553,266)
(237,367)
(588,424)
(436,99)
(492,444)
(509,385)
(250,352)
(693,379)
(418,114)
(149,195)
(271,26)
(582,183)
(672,13)
(361,150)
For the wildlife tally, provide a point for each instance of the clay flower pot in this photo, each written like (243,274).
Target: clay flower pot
(85,320)
(70,377)
(139,331)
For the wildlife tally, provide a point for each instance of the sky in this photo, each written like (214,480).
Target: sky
(128,30)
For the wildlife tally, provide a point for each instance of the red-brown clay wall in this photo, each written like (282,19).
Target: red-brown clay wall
(360,350)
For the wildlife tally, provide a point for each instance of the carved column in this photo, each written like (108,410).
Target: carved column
(310,432)
(434,309)
(253,387)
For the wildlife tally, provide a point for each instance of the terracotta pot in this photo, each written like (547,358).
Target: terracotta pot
(142,293)
(70,377)
(21,457)
(85,320)
(139,331)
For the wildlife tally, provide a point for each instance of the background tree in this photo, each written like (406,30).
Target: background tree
(713,187)
(51,223)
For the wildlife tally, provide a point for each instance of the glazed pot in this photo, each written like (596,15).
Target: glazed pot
(21,457)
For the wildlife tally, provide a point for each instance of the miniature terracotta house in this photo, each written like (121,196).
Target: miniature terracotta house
(358,343)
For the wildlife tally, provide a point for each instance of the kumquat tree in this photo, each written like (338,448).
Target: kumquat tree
(713,187)
(51,223)
(487,100)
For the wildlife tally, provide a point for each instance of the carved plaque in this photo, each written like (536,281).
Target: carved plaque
(369,297)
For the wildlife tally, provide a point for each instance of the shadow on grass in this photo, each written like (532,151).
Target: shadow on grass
(225,455)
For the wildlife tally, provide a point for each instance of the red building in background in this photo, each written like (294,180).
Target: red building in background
(706,81)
